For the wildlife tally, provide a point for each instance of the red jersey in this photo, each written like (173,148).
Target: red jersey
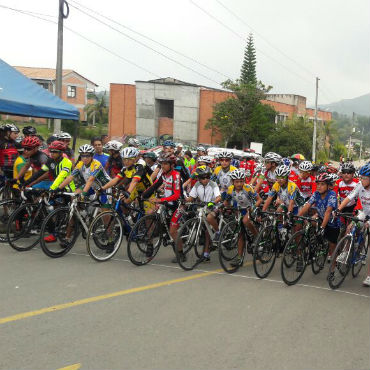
(344,189)
(307,186)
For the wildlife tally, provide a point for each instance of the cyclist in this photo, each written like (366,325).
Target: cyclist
(221,173)
(306,182)
(133,143)
(114,163)
(272,161)
(150,159)
(346,185)
(243,196)
(29,131)
(201,151)
(99,155)
(202,161)
(362,191)
(169,147)
(8,149)
(65,137)
(189,161)
(19,164)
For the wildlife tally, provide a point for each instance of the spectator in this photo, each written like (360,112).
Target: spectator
(99,155)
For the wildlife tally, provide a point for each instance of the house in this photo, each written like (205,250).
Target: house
(75,87)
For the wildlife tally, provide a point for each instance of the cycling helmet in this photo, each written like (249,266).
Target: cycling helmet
(238,174)
(129,152)
(10,127)
(225,154)
(365,170)
(29,130)
(324,177)
(334,176)
(357,174)
(205,158)
(86,149)
(167,157)
(133,142)
(282,170)
(202,171)
(113,145)
(348,166)
(201,149)
(64,136)
(150,155)
(286,161)
(169,143)
(305,166)
(31,142)
(321,169)
(57,146)
(331,169)
(260,168)
(273,157)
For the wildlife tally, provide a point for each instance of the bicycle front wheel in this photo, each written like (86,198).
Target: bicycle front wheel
(23,228)
(265,252)
(320,254)
(59,232)
(104,236)
(144,240)
(7,207)
(359,255)
(294,261)
(340,263)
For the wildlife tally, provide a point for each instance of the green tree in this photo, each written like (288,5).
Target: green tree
(97,112)
(248,71)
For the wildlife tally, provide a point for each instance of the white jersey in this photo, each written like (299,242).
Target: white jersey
(364,195)
(206,193)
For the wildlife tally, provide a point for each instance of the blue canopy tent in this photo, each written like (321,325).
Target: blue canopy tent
(22,97)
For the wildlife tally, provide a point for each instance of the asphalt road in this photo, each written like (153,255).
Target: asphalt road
(75,313)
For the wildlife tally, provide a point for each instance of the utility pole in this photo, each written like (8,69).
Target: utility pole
(350,136)
(315,124)
(59,68)
(362,139)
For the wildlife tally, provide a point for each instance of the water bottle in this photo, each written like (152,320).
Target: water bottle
(282,231)
(130,221)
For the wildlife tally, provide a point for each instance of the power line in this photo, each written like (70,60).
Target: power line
(151,39)
(87,39)
(29,12)
(146,46)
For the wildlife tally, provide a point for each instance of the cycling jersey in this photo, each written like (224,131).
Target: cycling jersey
(70,153)
(18,165)
(345,189)
(269,176)
(321,205)
(306,186)
(138,172)
(114,165)
(206,193)
(8,154)
(243,198)
(364,196)
(102,158)
(95,169)
(38,160)
(222,177)
(288,193)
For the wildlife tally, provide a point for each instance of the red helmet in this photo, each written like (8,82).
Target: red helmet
(31,142)
(324,177)
(331,169)
(58,146)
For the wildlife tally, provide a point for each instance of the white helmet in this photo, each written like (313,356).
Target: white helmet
(64,136)
(129,152)
(201,149)
(260,168)
(113,145)
(282,170)
(225,154)
(205,159)
(305,166)
(86,149)
(238,174)
(273,157)
(133,142)
(334,177)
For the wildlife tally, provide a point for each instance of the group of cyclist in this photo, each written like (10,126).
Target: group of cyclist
(293,186)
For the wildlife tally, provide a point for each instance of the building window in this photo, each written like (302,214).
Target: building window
(45,85)
(165,108)
(71,93)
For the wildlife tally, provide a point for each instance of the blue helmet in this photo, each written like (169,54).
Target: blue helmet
(169,143)
(286,161)
(365,170)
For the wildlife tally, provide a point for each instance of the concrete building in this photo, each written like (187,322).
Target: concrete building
(167,106)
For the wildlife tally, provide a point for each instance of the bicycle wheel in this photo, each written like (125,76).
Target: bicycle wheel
(339,267)
(294,261)
(265,251)
(320,253)
(7,207)
(63,228)
(144,240)
(23,228)
(228,255)
(104,236)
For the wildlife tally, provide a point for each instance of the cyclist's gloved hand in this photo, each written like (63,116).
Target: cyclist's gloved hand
(126,194)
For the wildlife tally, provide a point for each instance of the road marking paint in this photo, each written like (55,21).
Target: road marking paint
(71,367)
(102,297)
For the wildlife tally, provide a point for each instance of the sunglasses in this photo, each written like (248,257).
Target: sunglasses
(27,149)
(86,156)
(54,151)
(346,172)
(225,160)
(281,177)
(204,177)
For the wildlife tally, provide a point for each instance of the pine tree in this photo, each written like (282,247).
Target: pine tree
(248,70)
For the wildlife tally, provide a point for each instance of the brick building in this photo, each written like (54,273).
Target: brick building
(75,87)
(181,110)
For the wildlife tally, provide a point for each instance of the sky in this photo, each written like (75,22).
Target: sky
(296,41)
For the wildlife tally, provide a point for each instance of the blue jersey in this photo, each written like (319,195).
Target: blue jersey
(321,205)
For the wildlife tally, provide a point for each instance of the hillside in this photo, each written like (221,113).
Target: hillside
(359,105)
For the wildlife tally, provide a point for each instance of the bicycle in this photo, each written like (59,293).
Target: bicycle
(107,229)
(65,223)
(305,247)
(270,242)
(192,237)
(350,252)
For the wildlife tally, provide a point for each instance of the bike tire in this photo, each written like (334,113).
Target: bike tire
(22,228)
(192,253)
(320,255)
(148,228)
(58,221)
(293,253)
(337,269)
(7,207)
(265,252)
(105,236)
